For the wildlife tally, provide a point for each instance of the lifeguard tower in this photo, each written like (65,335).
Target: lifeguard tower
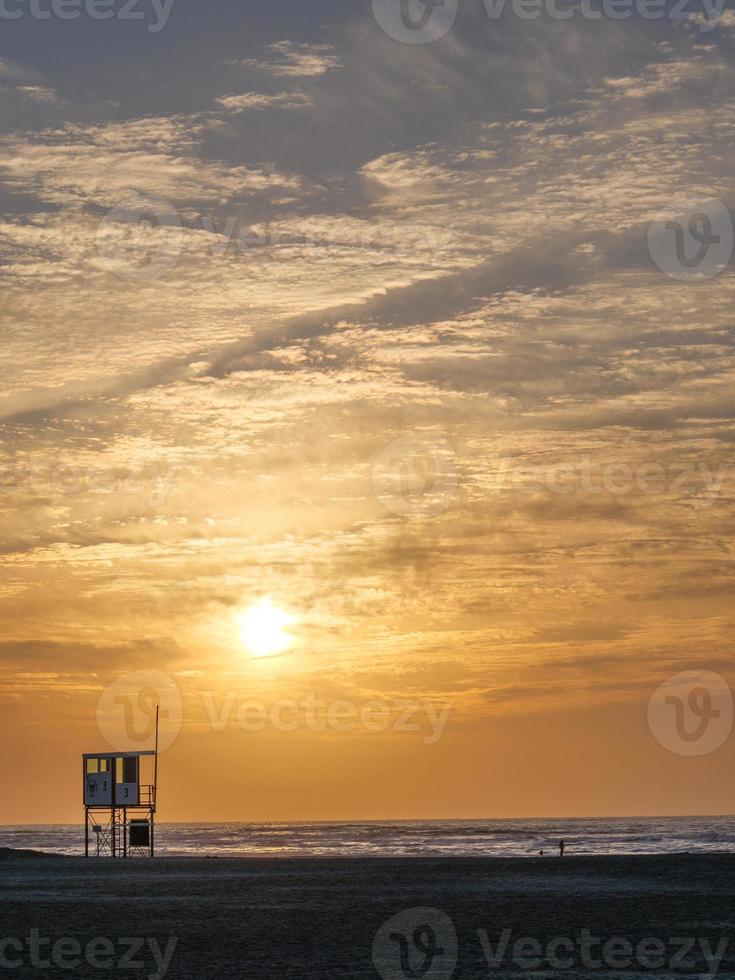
(120,802)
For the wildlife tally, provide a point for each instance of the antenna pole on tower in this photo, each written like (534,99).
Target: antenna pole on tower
(155,763)
(152,842)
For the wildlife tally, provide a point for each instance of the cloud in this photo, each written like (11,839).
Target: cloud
(449,243)
(287,59)
(13,71)
(38,93)
(123,163)
(255,100)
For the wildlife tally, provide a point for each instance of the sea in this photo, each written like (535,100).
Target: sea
(404,838)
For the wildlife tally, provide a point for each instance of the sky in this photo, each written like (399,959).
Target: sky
(359,409)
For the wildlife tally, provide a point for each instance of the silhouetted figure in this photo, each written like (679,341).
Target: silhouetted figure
(562,845)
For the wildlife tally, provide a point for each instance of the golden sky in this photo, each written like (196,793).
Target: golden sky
(394,377)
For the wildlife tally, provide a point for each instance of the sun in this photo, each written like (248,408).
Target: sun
(263,629)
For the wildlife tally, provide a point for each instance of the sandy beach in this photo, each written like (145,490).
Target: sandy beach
(292,919)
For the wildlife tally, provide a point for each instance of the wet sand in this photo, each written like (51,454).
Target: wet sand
(297,919)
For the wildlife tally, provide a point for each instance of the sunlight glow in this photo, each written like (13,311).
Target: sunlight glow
(263,629)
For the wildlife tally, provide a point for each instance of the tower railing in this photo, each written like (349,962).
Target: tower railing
(148,796)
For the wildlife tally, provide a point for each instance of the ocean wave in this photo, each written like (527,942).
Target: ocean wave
(412,838)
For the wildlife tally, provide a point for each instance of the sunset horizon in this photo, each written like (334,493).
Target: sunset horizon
(367,488)
(370,366)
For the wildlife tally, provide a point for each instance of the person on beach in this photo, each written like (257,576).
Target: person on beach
(561,848)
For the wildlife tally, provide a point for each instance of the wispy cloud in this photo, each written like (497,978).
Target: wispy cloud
(287,59)
(447,243)
(257,100)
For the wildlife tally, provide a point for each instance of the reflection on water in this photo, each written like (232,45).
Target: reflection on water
(510,838)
